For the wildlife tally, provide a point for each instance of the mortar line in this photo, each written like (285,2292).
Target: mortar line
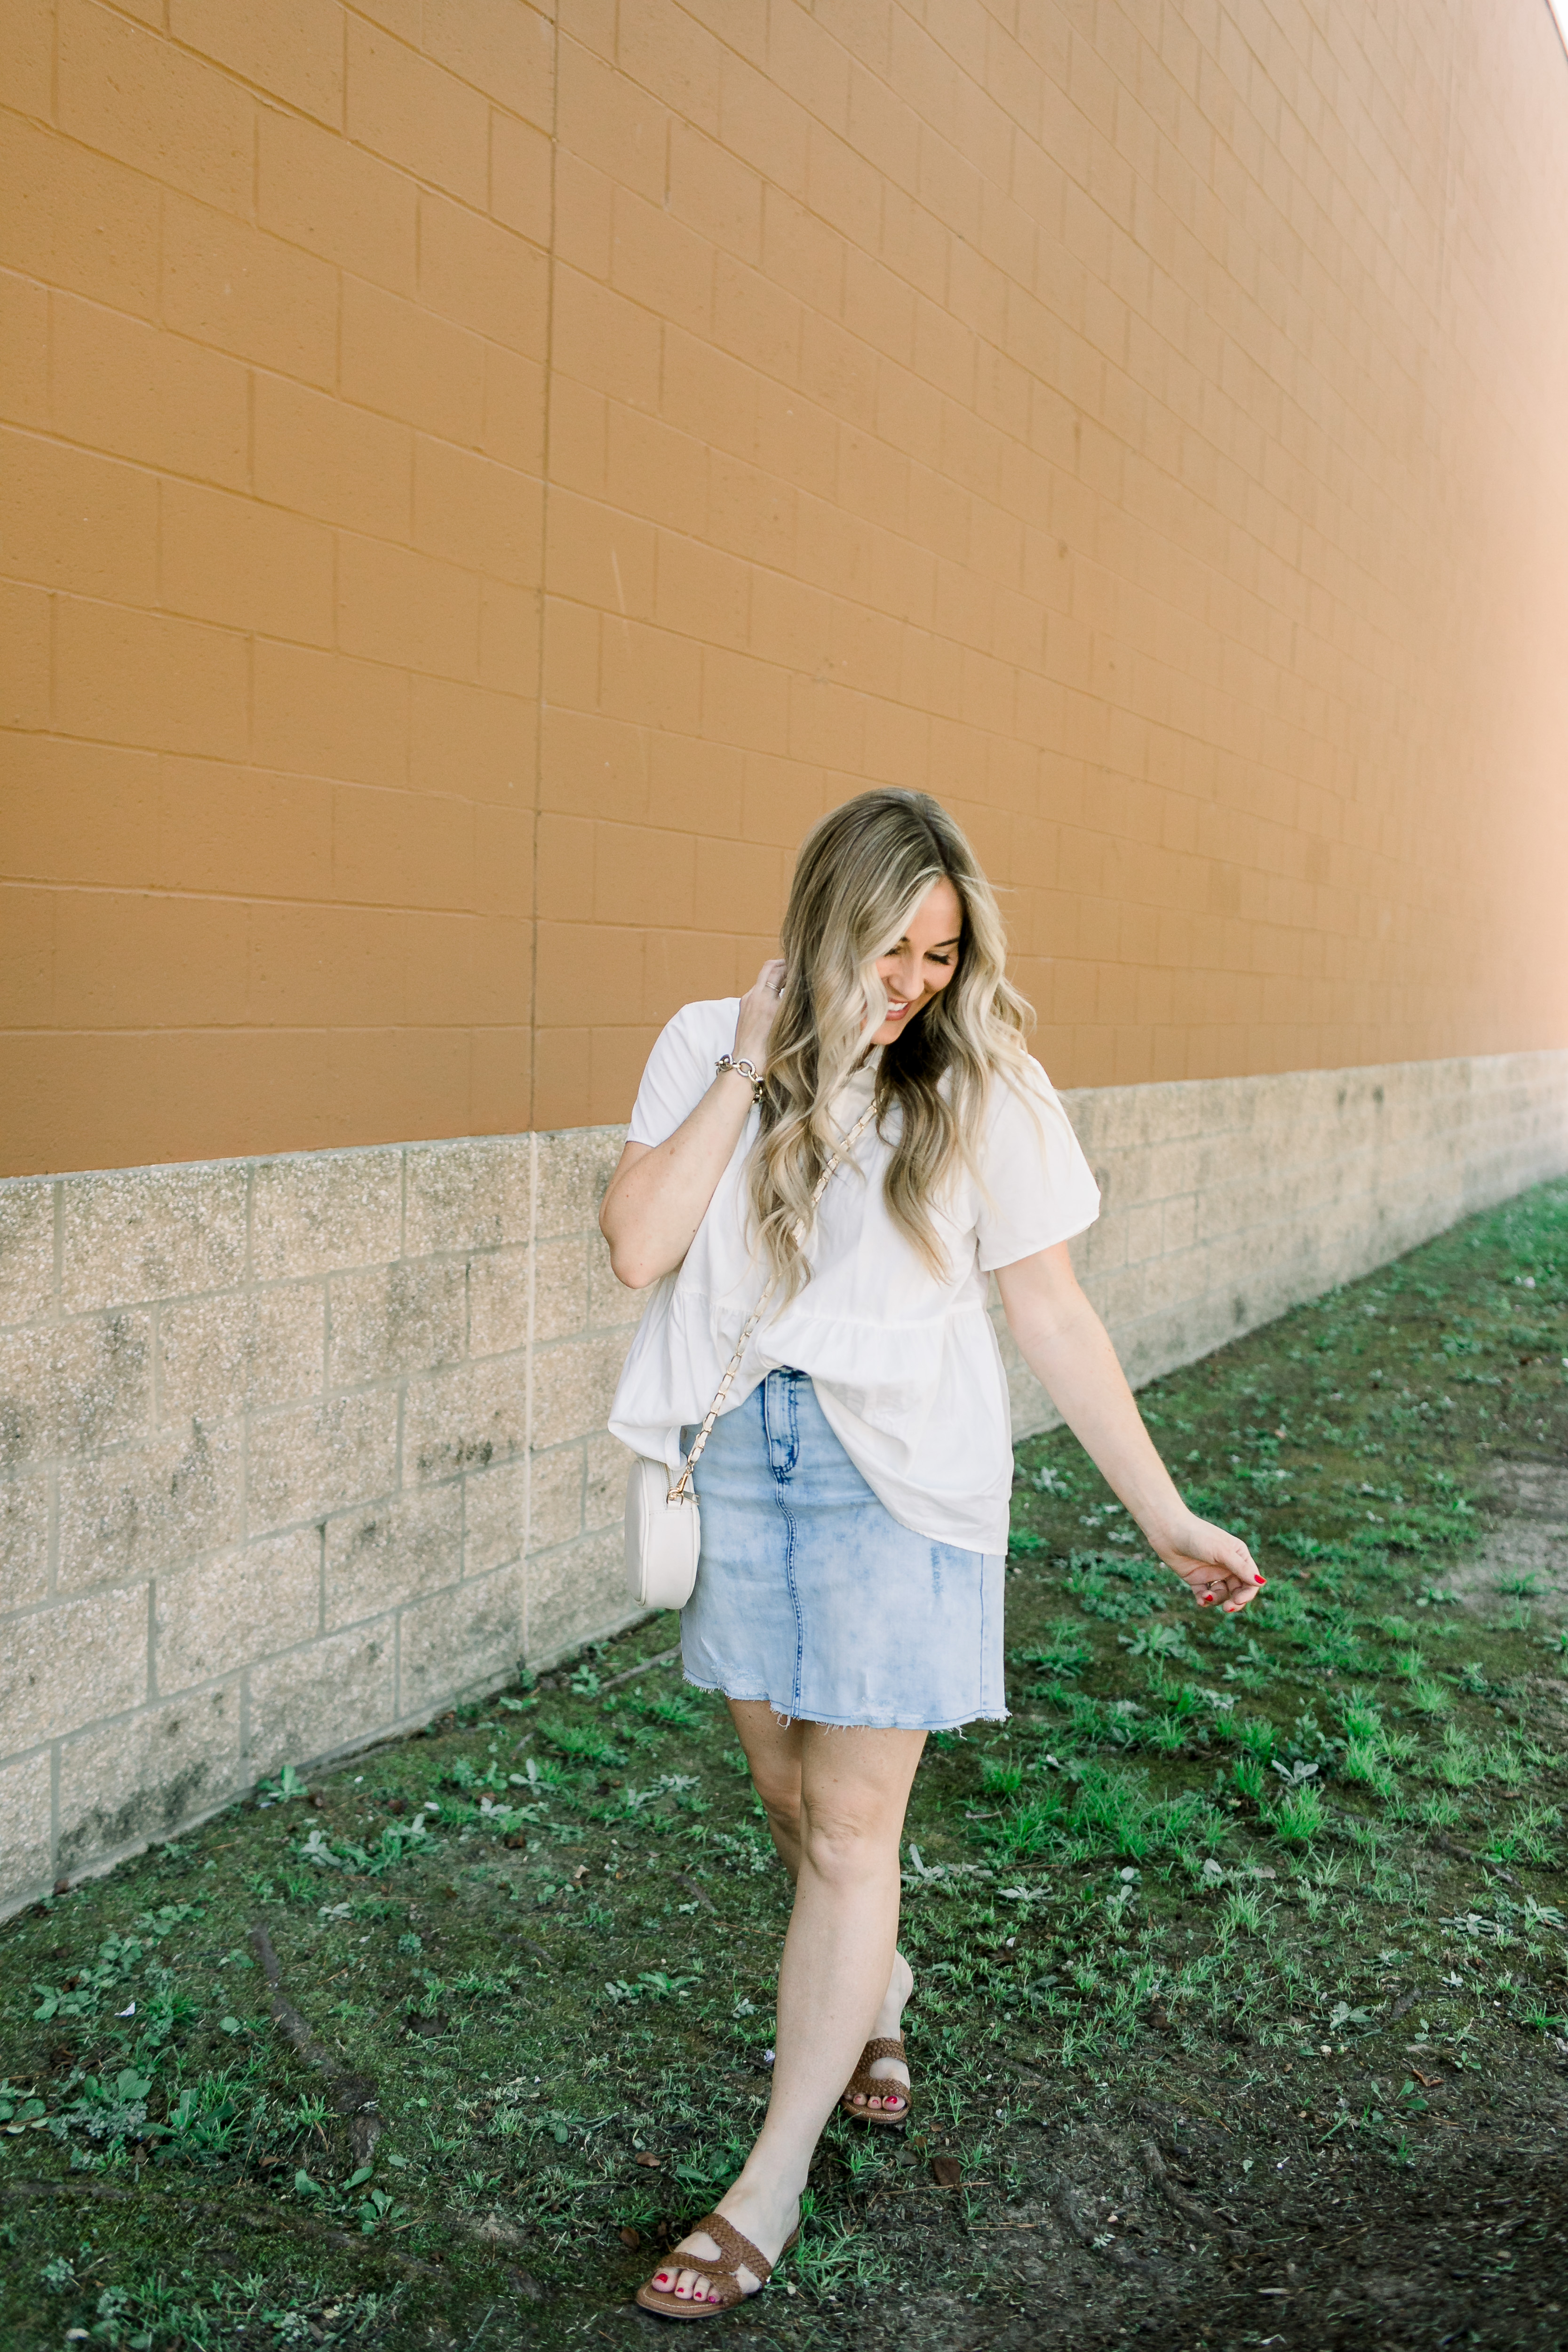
(543,575)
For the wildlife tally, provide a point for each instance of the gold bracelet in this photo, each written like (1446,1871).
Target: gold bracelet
(746,1070)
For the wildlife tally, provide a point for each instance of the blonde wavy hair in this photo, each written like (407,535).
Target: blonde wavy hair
(862,872)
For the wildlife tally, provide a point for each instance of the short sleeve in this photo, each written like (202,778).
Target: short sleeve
(680,1069)
(1041,1188)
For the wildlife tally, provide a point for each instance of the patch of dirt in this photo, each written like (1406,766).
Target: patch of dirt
(1148,2225)
(1526,1541)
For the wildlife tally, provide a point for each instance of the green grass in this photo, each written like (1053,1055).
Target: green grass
(543,1937)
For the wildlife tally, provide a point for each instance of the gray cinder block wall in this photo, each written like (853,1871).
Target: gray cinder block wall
(294,1451)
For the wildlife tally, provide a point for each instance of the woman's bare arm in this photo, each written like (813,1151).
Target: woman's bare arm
(659,1193)
(1068,1349)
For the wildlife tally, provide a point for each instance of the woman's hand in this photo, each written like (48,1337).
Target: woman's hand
(1214,1566)
(759,1011)
(659,1193)
(1064,1343)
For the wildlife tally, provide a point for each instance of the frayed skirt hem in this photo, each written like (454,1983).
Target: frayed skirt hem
(843,1722)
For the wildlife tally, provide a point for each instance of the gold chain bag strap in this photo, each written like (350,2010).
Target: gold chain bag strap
(664,1532)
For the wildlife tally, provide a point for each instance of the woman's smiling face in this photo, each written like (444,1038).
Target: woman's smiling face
(921,964)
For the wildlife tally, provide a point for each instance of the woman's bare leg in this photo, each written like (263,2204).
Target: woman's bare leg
(838,1961)
(774,1752)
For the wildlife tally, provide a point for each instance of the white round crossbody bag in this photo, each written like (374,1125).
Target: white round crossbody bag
(664,1528)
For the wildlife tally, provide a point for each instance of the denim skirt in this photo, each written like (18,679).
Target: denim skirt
(812,1596)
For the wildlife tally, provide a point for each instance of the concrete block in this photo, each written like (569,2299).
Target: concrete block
(1166,1283)
(382,1556)
(324,1458)
(135,1234)
(24,1540)
(460,1641)
(26,1825)
(1179,1222)
(1207,1107)
(1209,1169)
(27,1248)
(314,1702)
(1156,1111)
(219,1614)
(1118,1296)
(496,1506)
(605,1495)
(1162,1282)
(1293,1103)
(135,1511)
(1148,1350)
(1224,1207)
(1245,1157)
(1144,1226)
(466,1419)
(555,1497)
(498,1301)
(397,1318)
(475,1194)
(1102,1117)
(1128,1126)
(71,1663)
(1181,1167)
(561,1270)
(573,1171)
(122,1785)
(70,1387)
(574,1381)
(233,1353)
(577,1594)
(317,1212)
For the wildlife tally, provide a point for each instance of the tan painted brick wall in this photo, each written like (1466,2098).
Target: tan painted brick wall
(1139,421)
(274,322)
(1139,424)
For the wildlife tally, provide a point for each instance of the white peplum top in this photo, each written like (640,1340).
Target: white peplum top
(906,1366)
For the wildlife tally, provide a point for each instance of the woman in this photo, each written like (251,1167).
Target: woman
(853,1492)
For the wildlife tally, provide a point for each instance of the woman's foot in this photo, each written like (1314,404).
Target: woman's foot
(766,2220)
(891,2070)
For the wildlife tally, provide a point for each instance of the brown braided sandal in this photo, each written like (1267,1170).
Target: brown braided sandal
(878,2086)
(740,2254)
